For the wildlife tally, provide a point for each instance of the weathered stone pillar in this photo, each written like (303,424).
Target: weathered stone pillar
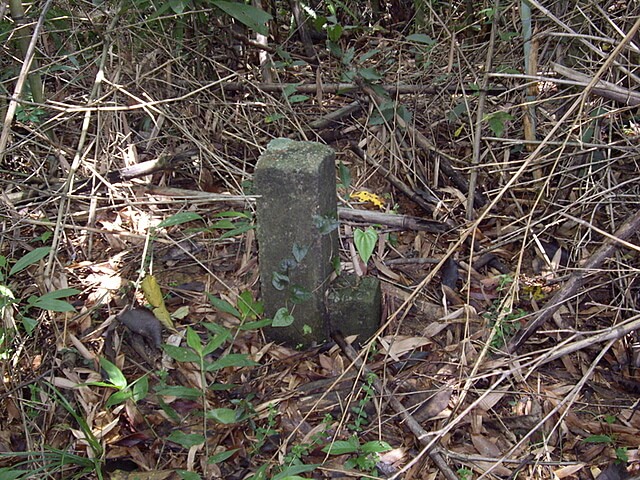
(297,237)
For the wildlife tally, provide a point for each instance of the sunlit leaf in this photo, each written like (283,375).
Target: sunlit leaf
(116,377)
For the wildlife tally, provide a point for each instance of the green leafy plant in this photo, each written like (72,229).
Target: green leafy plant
(465,474)
(135,391)
(361,417)
(497,122)
(51,462)
(209,355)
(235,223)
(505,324)
(365,456)
(50,301)
(365,242)
(254,18)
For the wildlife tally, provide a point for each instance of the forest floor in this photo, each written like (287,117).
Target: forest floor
(508,343)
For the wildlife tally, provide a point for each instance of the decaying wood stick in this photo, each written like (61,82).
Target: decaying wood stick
(344,87)
(403,222)
(576,280)
(603,88)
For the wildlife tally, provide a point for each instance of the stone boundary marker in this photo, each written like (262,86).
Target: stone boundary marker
(298,249)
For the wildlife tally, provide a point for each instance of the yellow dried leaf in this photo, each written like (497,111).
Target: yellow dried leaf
(153,295)
(152,292)
(364,196)
(164,316)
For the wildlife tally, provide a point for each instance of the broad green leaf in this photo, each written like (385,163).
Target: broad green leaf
(497,122)
(223,305)
(178,6)
(10,473)
(598,439)
(231,360)
(186,440)
(376,446)
(30,258)
(298,98)
(369,74)
(367,55)
(249,308)
(6,292)
(248,15)
(140,388)
(193,340)
(179,219)
(50,304)
(217,329)
(115,375)
(421,38)
(241,228)
(224,224)
(221,387)
(62,293)
(282,318)
(291,472)
(365,242)
(334,32)
(181,354)
(273,118)
(290,89)
(29,324)
(226,416)
(178,391)
(119,397)
(345,175)
(221,456)
(261,473)
(256,325)
(215,343)
(187,475)
(340,447)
